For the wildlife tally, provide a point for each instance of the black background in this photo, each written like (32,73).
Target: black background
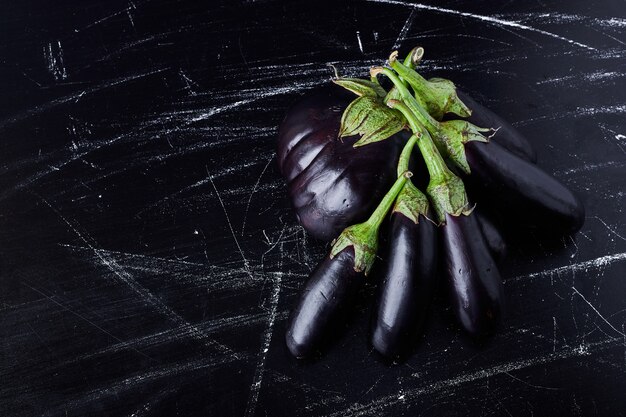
(148,253)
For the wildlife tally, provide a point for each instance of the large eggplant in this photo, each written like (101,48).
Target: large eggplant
(506,135)
(474,283)
(331,184)
(520,191)
(325,299)
(406,290)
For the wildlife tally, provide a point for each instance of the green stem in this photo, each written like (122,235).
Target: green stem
(422,115)
(445,190)
(363,237)
(385,204)
(408,60)
(405,156)
(437,168)
(405,71)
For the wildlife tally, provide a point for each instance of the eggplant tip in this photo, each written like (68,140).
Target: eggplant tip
(298,349)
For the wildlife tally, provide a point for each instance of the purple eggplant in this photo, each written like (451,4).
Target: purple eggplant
(520,191)
(475,287)
(494,239)
(331,184)
(506,135)
(323,303)
(334,283)
(408,279)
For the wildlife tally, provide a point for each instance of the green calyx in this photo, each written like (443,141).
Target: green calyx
(369,117)
(361,87)
(411,202)
(453,135)
(363,237)
(450,136)
(437,95)
(445,190)
(448,197)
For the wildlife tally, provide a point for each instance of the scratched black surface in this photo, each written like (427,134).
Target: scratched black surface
(148,254)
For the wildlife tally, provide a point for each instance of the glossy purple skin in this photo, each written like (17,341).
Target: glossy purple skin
(408,281)
(521,192)
(331,184)
(474,283)
(326,297)
(506,136)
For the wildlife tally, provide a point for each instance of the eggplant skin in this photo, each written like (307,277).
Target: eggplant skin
(474,283)
(507,136)
(494,239)
(325,299)
(408,282)
(330,183)
(520,191)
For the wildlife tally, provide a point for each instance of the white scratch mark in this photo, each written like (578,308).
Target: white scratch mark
(591,167)
(376,406)
(255,388)
(488,19)
(54,59)
(130,17)
(597,312)
(580,266)
(256,97)
(529,384)
(358,38)
(256,185)
(614,22)
(230,226)
(404,30)
(608,227)
(76,96)
(554,334)
(144,293)
(83,318)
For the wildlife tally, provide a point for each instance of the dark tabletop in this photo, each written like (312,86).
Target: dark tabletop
(148,252)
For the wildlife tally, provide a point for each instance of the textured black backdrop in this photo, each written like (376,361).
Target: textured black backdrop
(148,254)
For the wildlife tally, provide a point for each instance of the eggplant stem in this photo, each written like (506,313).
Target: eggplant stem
(422,115)
(405,156)
(437,168)
(363,237)
(385,204)
(446,190)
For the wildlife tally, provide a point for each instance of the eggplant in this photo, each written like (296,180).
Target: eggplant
(494,239)
(323,303)
(406,290)
(520,191)
(506,135)
(331,184)
(474,283)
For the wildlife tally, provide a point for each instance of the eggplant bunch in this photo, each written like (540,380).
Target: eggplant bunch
(348,162)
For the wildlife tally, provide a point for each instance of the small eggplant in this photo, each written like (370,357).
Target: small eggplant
(492,235)
(323,302)
(475,286)
(405,292)
(476,291)
(506,135)
(521,191)
(332,286)
(331,184)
